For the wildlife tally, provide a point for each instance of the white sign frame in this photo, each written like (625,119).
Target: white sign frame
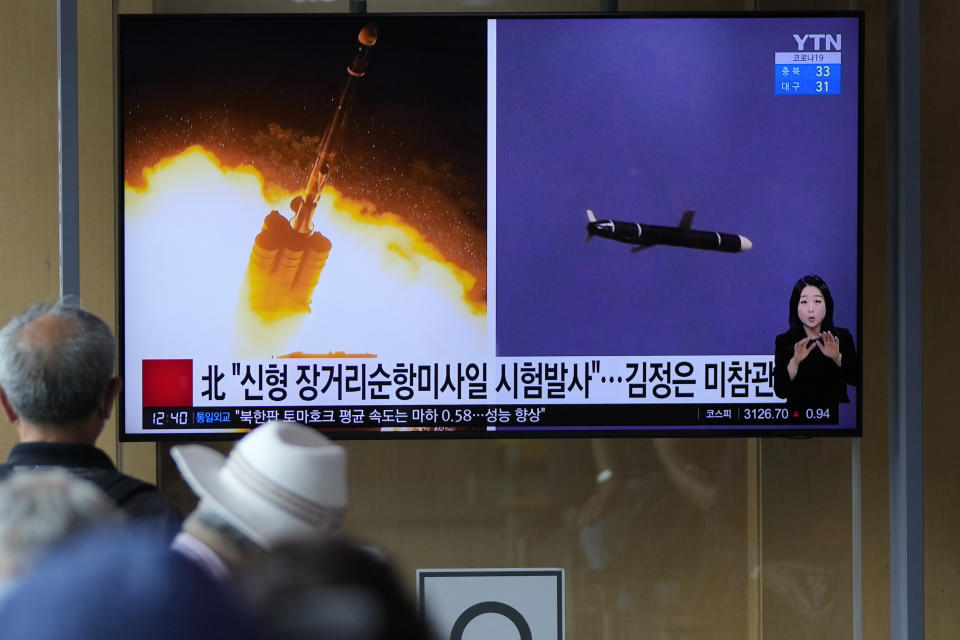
(531,600)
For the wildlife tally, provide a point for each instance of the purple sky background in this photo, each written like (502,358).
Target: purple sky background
(639,120)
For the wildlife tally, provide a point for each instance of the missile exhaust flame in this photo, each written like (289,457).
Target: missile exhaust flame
(288,256)
(387,290)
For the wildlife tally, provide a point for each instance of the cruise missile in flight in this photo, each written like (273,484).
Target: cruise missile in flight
(645,236)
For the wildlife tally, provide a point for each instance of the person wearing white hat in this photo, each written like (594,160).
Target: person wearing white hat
(282,482)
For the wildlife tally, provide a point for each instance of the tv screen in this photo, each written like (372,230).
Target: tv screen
(440,226)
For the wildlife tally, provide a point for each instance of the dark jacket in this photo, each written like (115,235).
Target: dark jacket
(819,382)
(141,501)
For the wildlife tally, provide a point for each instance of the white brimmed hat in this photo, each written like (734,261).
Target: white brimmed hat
(282,481)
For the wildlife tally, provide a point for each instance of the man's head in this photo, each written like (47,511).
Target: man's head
(56,367)
(39,509)
(120,583)
(333,588)
(281,482)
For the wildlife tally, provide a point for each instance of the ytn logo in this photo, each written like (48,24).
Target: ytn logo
(828,42)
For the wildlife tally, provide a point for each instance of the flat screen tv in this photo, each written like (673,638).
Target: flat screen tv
(490,226)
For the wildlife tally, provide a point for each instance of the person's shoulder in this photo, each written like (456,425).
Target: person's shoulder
(122,487)
(129,491)
(843,335)
(788,337)
(145,503)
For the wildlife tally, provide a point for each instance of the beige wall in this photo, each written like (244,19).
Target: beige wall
(473,503)
(28,181)
(29,232)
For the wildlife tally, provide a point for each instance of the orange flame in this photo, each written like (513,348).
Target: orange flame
(384,288)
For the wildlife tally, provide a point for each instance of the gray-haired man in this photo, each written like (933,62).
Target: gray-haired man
(57,386)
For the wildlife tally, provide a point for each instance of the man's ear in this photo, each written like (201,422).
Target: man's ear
(7,407)
(110,397)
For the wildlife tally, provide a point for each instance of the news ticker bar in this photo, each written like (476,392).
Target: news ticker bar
(493,417)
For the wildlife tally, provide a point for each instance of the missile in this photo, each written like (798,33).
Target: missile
(361,56)
(288,255)
(645,236)
(330,142)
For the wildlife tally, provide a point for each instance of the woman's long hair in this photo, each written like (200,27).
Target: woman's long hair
(811,281)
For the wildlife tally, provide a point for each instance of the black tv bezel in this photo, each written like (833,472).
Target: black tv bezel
(585,432)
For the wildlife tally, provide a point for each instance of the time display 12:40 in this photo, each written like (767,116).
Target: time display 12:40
(167,418)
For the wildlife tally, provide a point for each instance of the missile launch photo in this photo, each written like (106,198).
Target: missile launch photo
(304,186)
(288,255)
